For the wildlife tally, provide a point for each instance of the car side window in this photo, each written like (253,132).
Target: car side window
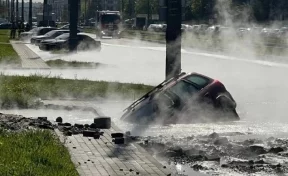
(44,31)
(164,100)
(86,39)
(184,90)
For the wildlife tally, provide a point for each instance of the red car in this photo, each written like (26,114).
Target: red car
(186,98)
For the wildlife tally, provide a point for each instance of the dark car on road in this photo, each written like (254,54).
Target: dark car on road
(67,27)
(49,35)
(5,25)
(36,32)
(84,42)
(186,98)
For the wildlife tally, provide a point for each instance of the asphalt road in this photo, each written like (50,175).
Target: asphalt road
(259,87)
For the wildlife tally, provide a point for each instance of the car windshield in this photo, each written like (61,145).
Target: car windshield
(65,26)
(51,33)
(63,36)
(110,18)
(34,30)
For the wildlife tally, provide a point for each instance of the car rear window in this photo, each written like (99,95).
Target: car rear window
(199,80)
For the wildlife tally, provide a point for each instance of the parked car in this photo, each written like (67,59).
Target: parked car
(185,98)
(36,32)
(67,27)
(5,25)
(84,42)
(157,27)
(49,35)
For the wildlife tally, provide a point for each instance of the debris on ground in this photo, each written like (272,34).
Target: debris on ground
(216,151)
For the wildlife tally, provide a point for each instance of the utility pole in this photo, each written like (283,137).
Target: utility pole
(173,38)
(30,14)
(148,13)
(130,8)
(12,11)
(122,8)
(22,12)
(45,10)
(9,9)
(17,11)
(171,12)
(73,10)
(85,12)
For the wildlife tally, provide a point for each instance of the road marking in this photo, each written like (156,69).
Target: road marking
(215,56)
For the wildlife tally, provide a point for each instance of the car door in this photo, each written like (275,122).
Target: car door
(189,107)
(166,107)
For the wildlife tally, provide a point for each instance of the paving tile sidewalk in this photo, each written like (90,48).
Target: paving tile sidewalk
(28,58)
(101,157)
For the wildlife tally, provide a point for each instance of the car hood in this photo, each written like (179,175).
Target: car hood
(27,33)
(40,37)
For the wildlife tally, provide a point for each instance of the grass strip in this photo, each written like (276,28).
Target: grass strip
(58,63)
(34,153)
(4,35)
(20,91)
(7,53)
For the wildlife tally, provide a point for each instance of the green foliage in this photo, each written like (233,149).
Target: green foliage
(4,36)
(34,153)
(259,10)
(22,91)
(7,53)
(146,6)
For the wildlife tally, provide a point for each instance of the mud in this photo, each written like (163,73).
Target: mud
(217,155)
(19,123)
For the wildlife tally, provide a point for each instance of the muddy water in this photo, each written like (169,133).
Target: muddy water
(266,131)
(188,136)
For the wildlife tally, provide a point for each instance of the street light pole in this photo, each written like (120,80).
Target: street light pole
(73,10)
(17,11)
(9,9)
(22,12)
(85,12)
(45,10)
(173,38)
(30,14)
(12,11)
(148,13)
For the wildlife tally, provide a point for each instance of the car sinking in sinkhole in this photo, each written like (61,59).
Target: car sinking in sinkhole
(185,98)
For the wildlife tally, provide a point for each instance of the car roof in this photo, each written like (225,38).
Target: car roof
(61,30)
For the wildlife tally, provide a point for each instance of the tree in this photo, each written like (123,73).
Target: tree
(3,9)
(202,9)
(65,14)
(261,9)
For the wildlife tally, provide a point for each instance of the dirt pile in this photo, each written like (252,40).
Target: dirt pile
(18,123)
